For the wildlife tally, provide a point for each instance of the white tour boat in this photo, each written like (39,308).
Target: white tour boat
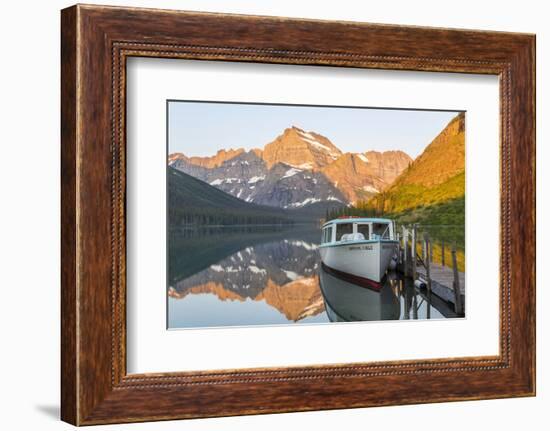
(359,249)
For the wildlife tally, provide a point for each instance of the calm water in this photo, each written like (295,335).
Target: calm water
(269,276)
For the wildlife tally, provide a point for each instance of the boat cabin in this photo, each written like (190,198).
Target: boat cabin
(357,229)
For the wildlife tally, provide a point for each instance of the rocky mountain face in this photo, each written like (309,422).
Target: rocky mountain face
(295,170)
(388,165)
(289,187)
(360,176)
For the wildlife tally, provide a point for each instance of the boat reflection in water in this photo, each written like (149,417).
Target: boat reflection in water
(398,299)
(348,302)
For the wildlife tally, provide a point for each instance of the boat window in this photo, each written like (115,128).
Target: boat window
(327,234)
(381,230)
(342,229)
(364,229)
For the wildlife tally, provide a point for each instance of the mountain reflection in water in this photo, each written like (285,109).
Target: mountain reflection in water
(268,276)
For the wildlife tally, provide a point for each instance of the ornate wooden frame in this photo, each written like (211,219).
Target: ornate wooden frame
(95,43)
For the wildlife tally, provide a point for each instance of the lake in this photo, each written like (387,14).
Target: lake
(272,275)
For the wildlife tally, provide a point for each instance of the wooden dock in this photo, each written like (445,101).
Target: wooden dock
(442,281)
(448,283)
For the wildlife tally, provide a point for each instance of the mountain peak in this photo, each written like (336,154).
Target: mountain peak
(298,147)
(230,151)
(176,156)
(296,128)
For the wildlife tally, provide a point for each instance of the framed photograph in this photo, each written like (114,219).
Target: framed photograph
(299,231)
(259,208)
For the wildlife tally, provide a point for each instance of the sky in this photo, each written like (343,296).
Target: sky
(203,128)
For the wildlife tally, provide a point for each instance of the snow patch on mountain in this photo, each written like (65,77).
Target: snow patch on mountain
(363,157)
(291,172)
(257,270)
(310,139)
(307,135)
(370,189)
(256,179)
(220,181)
(307,201)
(304,166)
(306,245)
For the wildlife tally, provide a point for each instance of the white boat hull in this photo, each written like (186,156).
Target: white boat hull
(364,259)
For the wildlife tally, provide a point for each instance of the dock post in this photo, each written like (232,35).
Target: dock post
(398,249)
(428,305)
(413,253)
(414,305)
(442,252)
(405,252)
(459,309)
(406,297)
(424,251)
(428,253)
